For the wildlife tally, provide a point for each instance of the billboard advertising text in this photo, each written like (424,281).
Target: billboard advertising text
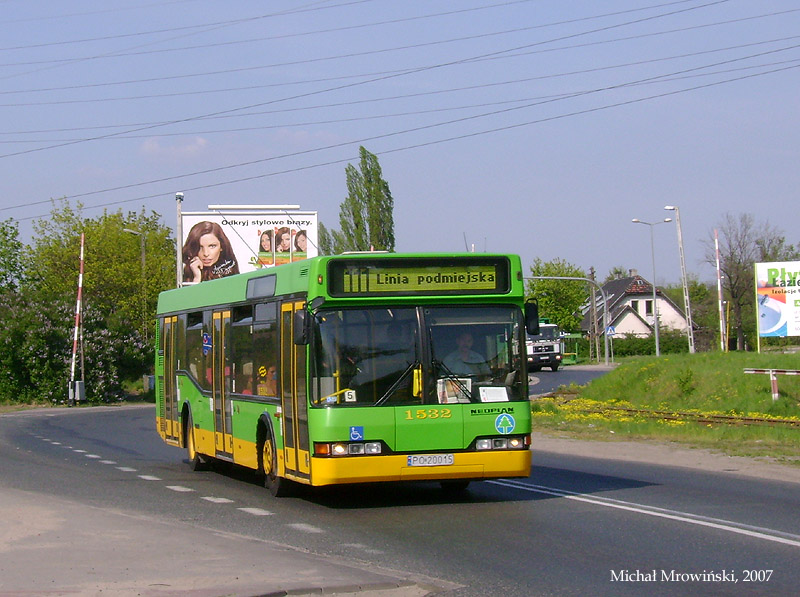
(218,244)
(778,298)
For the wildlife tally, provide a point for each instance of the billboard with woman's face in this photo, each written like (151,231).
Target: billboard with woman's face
(218,244)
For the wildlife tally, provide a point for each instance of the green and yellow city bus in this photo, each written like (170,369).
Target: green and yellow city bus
(352,368)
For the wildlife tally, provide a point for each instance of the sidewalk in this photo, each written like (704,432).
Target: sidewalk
(50,546)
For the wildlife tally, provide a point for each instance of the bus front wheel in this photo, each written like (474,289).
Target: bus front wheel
(196,461)
(454,485)
(277,486)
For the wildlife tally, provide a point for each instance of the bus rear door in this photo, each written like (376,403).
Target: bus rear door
(170,428)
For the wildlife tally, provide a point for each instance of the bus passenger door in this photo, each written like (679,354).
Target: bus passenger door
(221,383)
(170,428)
(293,395)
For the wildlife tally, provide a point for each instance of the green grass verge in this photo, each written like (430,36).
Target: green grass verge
(704,384)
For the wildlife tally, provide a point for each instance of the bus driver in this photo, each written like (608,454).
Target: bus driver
(464,360)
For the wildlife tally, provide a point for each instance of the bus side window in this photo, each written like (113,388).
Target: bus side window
(266,355)
(194,347)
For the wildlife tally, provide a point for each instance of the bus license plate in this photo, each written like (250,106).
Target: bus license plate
(430,459)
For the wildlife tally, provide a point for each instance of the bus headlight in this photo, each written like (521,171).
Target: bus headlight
(515,443)
(501,443)
(347,449)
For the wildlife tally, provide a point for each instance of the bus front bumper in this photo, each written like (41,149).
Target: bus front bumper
(394,467)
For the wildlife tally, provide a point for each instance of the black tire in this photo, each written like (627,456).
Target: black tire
(197,462)
(554,368)
(268,466)
(455,485)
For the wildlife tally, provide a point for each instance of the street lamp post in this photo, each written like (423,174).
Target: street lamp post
(653,254)
(686,304)
(144,294)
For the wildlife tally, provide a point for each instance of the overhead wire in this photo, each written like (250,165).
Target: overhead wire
(359,83)
(425,127)
(406,147)
(422,144)
(460,107)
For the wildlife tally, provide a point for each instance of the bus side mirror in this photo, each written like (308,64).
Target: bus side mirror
(532,317)
(302,324)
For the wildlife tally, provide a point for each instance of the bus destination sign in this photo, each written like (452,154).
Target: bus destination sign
(390,278)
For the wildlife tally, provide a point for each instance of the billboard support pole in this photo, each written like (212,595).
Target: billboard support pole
(758,319)
(178,241)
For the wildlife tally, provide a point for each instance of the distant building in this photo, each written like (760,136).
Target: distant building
(630,308)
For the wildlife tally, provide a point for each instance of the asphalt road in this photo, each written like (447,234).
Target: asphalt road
(546,381)
(97,490)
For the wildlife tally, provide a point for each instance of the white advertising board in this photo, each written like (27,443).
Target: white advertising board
(778,298)
(218,244)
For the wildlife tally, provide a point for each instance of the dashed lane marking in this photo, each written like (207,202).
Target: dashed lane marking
(306,528)
(217,500)
(256,511)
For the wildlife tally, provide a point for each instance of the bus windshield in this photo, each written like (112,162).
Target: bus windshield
(398,356)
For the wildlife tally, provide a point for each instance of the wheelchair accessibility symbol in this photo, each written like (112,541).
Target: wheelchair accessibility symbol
(356,434)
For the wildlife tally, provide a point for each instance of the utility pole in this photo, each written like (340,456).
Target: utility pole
(687,306)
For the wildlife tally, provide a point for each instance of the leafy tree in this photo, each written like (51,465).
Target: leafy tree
(118,303)
(742,243)
(366,215)
(113,279)
(616,273)
(559,300)
(10,255)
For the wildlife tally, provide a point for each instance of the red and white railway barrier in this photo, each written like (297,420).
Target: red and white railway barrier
(773,377)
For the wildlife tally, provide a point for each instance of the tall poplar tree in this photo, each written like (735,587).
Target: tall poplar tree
(366,216)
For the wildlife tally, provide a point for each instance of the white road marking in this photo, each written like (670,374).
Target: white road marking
(715,523)
(217,500)
(180,488)
(306,528)
(149,478)
(92,456)
(126,469)
(108,462)
(256,511)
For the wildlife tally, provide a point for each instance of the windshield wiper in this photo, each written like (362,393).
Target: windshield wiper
(456,379)
(396,384)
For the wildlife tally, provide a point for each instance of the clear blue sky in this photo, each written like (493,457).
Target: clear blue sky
(540,127)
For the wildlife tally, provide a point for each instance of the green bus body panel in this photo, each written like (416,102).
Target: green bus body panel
(421,428)
(304,277)
(246,412)
(202,415)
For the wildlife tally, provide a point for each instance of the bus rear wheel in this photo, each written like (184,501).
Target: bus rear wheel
(277,486)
